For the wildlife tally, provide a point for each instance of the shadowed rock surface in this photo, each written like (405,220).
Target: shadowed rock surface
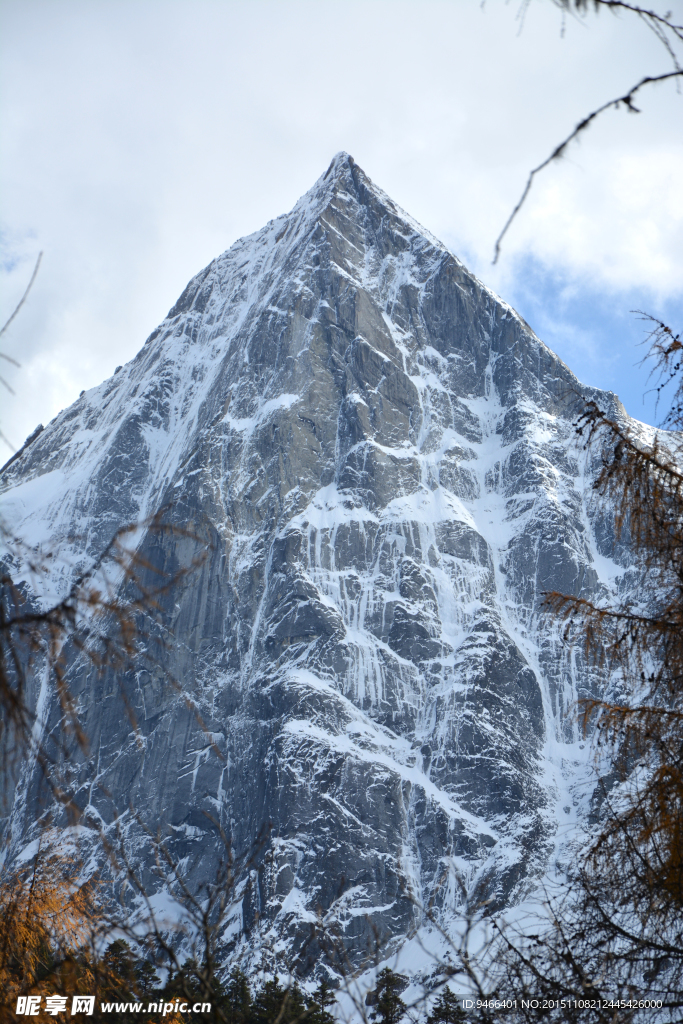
(381,457)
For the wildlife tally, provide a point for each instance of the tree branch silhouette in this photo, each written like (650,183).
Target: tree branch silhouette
(558,152)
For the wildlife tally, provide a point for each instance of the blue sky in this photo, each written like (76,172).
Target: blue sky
(598,334)
(141,138)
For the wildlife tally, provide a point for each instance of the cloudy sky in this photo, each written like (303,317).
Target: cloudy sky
(142,138)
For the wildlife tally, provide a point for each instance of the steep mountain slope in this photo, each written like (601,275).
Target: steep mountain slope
(381,456)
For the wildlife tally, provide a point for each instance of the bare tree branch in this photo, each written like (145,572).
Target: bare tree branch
(23,298)
(7,440)
(662,20)
(558,152)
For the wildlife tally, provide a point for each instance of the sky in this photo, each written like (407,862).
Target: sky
(141,138)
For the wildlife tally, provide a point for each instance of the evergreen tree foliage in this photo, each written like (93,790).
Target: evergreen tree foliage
(447,1010)
(237,1003)
(146,978)
(388,1007)
(272,1002)
(317,1004)
(119,969)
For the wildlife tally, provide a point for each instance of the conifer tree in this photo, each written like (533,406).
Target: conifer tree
(447,1010)
(317,1012)
(146,978)
(273,1003)
(388,1007)
(237,999)
(119,968)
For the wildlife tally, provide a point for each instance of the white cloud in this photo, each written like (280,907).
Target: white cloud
(142,138)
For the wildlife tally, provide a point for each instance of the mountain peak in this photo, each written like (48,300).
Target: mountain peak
(340,161)
(380,457)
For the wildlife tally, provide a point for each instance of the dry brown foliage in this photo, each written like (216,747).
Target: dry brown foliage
(618,933)
(641,642)
(45,917)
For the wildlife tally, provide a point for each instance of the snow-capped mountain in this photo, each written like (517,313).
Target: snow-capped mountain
(381,457)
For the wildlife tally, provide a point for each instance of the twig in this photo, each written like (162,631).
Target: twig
(7,441)
(626,99)
(22,300)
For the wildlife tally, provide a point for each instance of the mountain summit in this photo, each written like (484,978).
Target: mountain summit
(380,455)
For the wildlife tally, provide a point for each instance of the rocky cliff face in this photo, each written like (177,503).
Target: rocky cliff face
(380,454)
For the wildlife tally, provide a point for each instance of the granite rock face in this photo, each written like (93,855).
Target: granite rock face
(379,455)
